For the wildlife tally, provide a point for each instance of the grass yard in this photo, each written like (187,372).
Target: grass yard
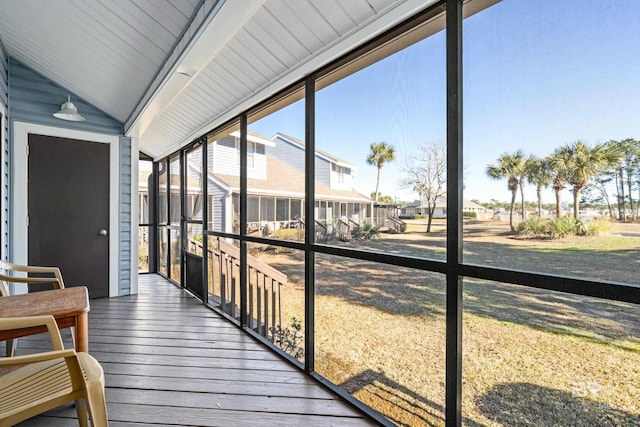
(531,357)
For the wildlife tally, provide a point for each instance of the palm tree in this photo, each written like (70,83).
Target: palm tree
(523,167)
(628,163)
(510,166)
(558,162)
(583,163)
(380,154)
(539,174)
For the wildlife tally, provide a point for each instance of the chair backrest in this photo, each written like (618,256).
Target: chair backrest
(53,274)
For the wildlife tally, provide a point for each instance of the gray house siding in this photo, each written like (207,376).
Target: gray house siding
(291,154)
(33,99)
(217,205)
(4,149)
(323,171)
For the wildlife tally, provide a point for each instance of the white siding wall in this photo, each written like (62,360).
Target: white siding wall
(225,159)
(347,179)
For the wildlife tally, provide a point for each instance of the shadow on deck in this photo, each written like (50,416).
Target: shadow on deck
(169,360)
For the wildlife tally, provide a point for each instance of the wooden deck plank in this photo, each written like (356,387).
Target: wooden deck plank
(169,360)
(256,387)
(126,414)
(237,375)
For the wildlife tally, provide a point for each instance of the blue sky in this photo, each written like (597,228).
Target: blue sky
(537,74)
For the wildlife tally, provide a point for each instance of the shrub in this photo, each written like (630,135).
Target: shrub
(534,226)
(562,227)
(472,215)
(290,339)
(597,226)
(366,231)
(295,234)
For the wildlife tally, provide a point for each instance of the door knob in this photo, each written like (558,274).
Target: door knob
(103,232)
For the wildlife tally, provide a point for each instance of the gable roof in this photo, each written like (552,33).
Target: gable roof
(288,182)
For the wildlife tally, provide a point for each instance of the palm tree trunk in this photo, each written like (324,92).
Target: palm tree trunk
(378,182)
(513,204)
(576,201)
(558,202)
(524,208)
(539,194)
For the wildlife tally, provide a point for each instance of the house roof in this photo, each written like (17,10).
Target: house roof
(286,181)
(171,70)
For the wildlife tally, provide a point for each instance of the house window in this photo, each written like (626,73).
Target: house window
(340,171)
(282,209)
(267,208)
(253,209)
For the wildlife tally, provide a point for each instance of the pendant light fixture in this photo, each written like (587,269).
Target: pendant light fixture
(68,111)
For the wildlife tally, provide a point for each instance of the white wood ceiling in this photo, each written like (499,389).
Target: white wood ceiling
(105,51)
(117,54)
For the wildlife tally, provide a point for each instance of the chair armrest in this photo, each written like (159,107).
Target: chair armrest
(8,362)
(57,283)
(10,323)
(35,269)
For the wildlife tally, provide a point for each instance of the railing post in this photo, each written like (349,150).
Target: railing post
(243,220)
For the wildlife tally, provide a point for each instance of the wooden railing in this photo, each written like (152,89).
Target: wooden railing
(396,225)
(264,286)
(343,230)
(322,234)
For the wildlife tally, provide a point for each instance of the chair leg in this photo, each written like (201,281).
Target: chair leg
(81,410)
(11,347)
(97,405)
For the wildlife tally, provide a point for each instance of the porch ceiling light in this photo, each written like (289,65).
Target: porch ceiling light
(68,111)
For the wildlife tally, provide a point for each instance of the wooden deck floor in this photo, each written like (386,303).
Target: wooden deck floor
(168,360)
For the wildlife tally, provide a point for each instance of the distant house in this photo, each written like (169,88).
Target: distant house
(418,208)
(275,186)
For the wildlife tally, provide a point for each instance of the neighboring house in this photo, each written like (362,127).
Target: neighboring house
(275,186)
(417,208)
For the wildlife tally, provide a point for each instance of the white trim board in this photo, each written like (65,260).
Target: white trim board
(135,215)
(21,131)
(4,141)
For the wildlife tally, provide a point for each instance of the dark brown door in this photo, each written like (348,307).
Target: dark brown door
(69,210)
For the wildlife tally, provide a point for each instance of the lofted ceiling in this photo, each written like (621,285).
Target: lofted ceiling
(172,69)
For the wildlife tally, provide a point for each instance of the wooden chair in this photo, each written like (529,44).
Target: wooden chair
(36,383)
(54,277)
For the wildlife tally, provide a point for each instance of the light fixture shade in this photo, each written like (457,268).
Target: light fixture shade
(68,111)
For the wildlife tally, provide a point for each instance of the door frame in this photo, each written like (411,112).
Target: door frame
(21,131)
